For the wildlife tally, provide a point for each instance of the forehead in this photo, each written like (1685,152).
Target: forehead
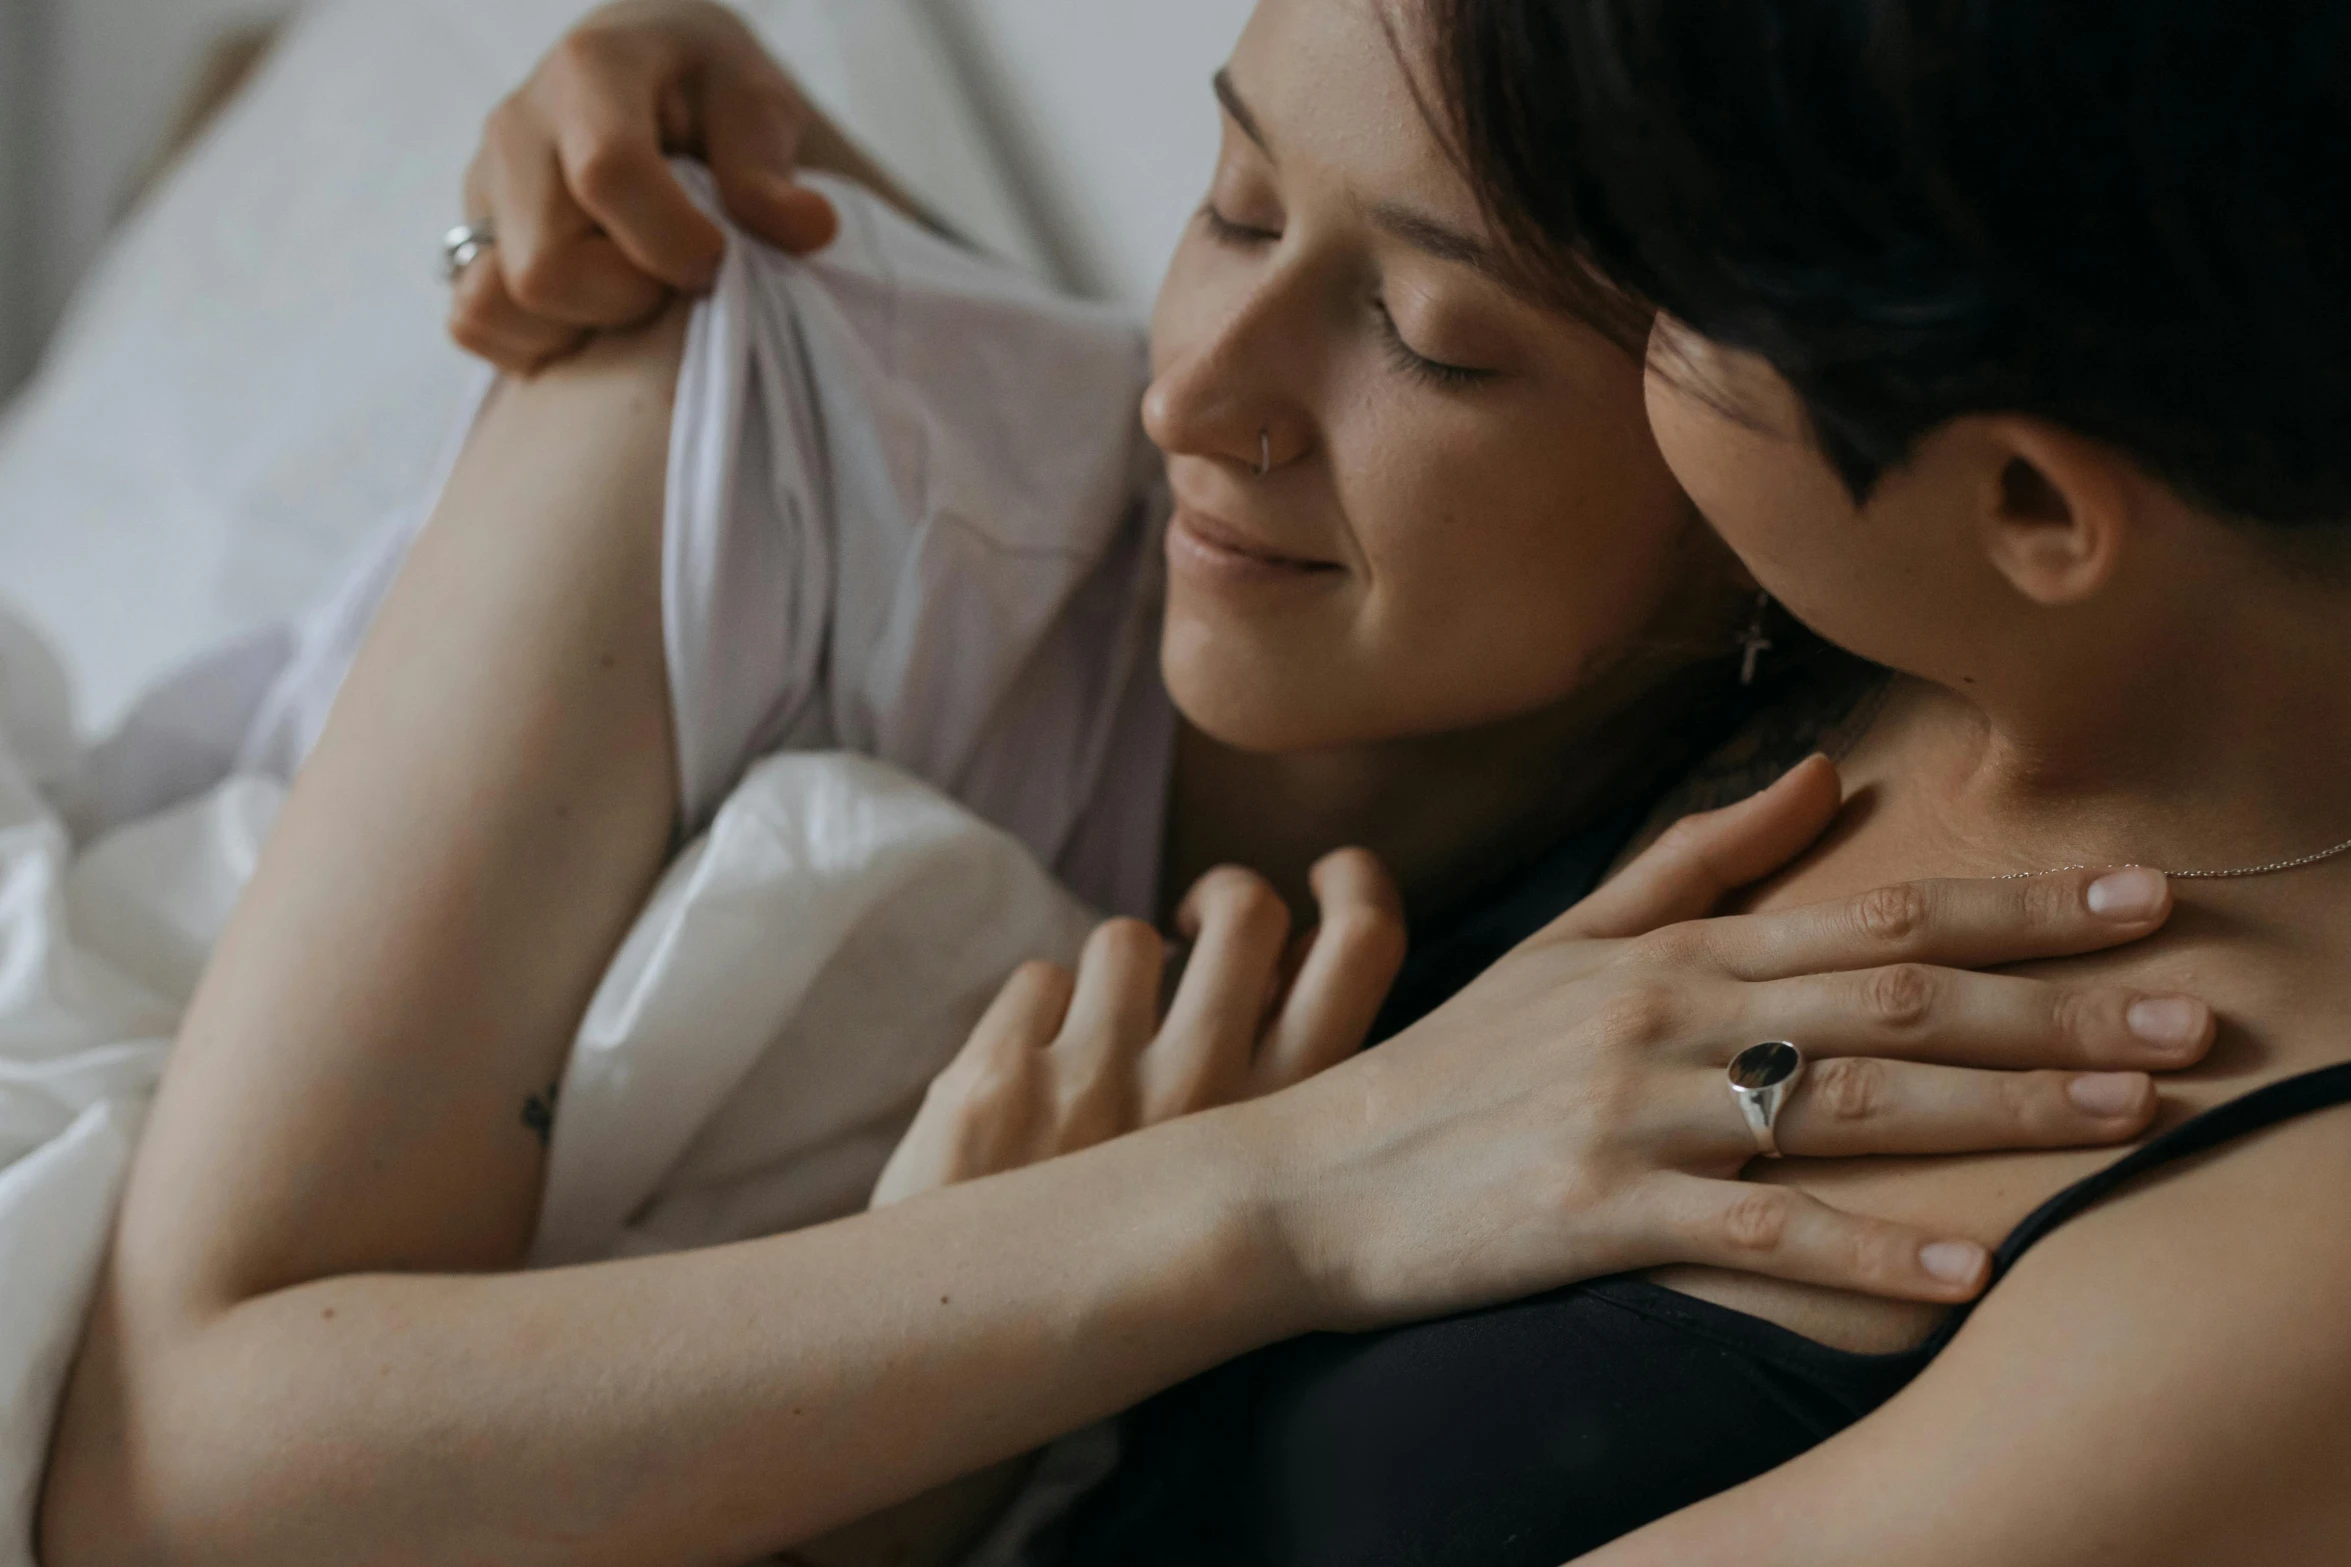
(1343,90)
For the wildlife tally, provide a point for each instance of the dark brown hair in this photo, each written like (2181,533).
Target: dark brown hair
(2130,217)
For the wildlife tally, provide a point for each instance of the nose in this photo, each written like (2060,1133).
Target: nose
(1228,393)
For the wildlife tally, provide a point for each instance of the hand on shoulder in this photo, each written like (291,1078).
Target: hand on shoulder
(1568,1115)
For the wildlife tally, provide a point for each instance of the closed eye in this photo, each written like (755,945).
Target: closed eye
(1226,232)
(1419,365)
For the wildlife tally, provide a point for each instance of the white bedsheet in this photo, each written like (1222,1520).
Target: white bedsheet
(757,1047)
(908,516)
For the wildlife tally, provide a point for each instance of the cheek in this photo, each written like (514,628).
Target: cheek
(1512,554)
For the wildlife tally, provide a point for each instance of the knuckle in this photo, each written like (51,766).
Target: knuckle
(586,51)
(467,333)
(2074,1018)
(1901,998)
(1641,1017)
(1038,978)
(1874,1254)
(1176,1093)
(1686,833)
(1674,947)
(1615,1096)
(605,170)
(1127,943)
(2043,903)
(1000,1063)
(535,279)
(1894,916)
(1680,843)
(1758,1221)
(982,1089)
(1571,1186)
(1851,1088)
(1358,864)
(508,118)
(1244,896)
(2021,1097)
(1089,1106)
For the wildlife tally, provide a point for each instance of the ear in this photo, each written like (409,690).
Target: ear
(2057,510)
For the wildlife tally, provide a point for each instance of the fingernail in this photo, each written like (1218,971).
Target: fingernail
(2127,896)
(2167,1022)
(2107,1094)
(1953,1262)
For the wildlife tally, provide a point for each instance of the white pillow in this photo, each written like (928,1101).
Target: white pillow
(256,374)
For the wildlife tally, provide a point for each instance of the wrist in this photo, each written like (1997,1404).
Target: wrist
(1281,1197)
(1234,1220)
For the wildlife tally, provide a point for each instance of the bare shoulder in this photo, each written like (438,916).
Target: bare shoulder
(2163,1381)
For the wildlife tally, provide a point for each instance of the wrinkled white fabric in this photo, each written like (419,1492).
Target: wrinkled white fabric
(763,1038)
(757,1048)
(910,513)
(911,592)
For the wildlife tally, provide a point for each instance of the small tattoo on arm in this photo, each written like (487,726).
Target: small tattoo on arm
(538,1113)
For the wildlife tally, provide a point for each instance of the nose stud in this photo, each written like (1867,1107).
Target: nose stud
(1264,453)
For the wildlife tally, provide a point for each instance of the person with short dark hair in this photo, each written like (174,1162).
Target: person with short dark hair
(2009,345)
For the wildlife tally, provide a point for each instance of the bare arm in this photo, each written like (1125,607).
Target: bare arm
(2166,1382)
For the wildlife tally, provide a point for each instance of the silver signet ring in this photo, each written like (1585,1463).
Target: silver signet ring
(1762,1077)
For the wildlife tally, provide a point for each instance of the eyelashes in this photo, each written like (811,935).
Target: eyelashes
(1401,354)
(1225,231)
(1414,363)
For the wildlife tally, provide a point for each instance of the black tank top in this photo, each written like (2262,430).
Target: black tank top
(1527,1434)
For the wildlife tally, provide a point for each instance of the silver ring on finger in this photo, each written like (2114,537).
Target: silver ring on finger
(463,245)
(1762,1079)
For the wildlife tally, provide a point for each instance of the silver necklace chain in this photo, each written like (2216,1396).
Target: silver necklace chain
(2320,858)
(1866,718)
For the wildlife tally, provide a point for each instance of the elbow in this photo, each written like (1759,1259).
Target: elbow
(88,1512)
(109,1505)
(75,1526)
(122,1470)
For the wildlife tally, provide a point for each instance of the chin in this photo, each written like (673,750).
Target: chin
(1258,721)
(1248,700)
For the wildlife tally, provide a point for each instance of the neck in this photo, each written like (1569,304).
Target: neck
(2218,739)
(1445,813)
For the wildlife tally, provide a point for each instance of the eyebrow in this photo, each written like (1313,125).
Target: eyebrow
(1230,96)
(1417,229)
(1425,234)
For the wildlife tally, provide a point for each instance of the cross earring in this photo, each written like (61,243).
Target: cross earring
(1753,644)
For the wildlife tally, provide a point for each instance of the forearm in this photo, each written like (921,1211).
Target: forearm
(707,1407)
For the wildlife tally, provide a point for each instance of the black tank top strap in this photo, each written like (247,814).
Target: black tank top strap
(2257,1111)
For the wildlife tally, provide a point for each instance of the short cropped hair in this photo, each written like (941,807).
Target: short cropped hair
(2131,218)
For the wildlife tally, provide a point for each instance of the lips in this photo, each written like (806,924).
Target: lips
(1199,542)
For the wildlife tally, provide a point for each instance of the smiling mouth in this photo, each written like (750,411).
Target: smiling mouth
(1204,545)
